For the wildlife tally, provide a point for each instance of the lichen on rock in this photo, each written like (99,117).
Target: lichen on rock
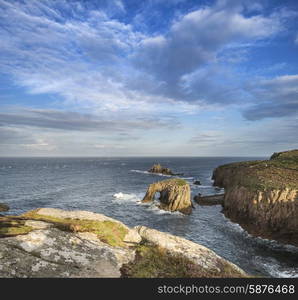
(164,255)
(56,243)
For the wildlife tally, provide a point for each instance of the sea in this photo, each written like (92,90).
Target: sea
(115,187)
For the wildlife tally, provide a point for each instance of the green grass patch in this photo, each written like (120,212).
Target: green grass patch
(108,232)
(155,262)
(280,172)
(12,227)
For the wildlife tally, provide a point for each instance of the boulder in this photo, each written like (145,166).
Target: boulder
(174,195)
(4,207)
(56,243)
(165,255)
(209,200)
(197,182)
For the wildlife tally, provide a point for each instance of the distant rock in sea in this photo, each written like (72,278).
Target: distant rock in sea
(51,243)
(4,207)
(174,195)
(158,169)
(262,196)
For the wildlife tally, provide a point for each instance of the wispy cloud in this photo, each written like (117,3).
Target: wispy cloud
(277,97)
(112,72)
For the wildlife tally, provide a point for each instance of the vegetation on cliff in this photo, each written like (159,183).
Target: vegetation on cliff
(280,172)
(262,196)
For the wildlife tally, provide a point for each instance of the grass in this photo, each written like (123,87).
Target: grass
(277,173)
(108,232)
(12,227)
(155,262)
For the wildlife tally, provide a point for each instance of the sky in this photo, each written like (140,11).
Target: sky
(148,78)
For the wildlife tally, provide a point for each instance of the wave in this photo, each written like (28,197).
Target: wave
(202,186)
(156,210)
(127,197)
(149,173)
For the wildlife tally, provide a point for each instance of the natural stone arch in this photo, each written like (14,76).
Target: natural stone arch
(174,195)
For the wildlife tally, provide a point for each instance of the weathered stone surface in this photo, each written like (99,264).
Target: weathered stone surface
(174,195)
(203,257)
(209,200)
(55,253)
(3,207)
(262,196)
(44,248)
(130,237)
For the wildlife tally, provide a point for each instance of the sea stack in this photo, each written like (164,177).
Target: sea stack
(174,195)
(262,195)
(157,168)
(4,207)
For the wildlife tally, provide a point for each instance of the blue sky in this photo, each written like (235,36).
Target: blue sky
(148,78)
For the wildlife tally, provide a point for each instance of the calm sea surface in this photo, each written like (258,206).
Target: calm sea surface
(115,186)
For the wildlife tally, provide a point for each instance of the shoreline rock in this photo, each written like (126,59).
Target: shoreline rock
(4,207)
(174,195)
(56,243)
(209,200)
(262,196)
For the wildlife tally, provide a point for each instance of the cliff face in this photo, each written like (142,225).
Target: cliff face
(262,196)
(56,243)
(174,195)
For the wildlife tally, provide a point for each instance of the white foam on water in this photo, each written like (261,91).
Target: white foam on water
(275,269)
(156,210)
(203,186)
(122,197)
(149,173)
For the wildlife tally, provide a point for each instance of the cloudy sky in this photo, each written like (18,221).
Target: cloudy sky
(148,78)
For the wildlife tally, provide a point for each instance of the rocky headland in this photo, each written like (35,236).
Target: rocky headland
(174,195)
(51,242)
(262,195)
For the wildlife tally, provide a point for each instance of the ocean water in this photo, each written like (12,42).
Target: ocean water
(115,187)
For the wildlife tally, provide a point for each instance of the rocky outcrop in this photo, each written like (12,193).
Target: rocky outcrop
(174,195)
(166,253)
(262,196)
(158,169)
(4,207)
(197,182)
(56,243)
(209,200)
